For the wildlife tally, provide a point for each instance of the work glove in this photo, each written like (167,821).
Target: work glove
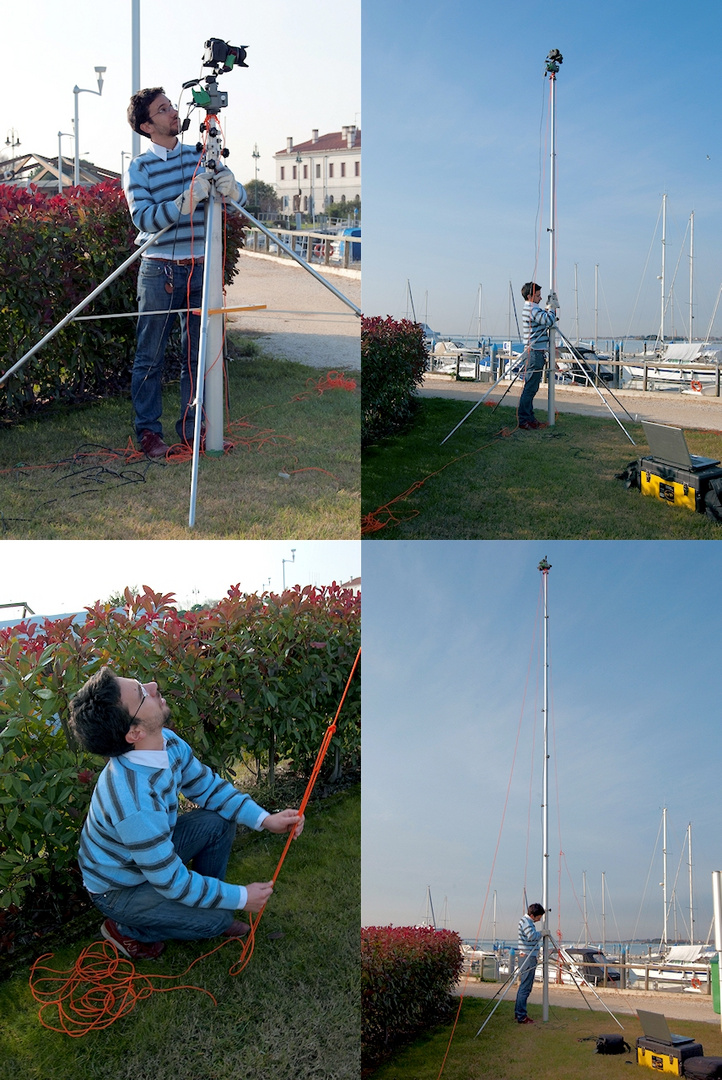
(227,185)
(552,302)
(195,194)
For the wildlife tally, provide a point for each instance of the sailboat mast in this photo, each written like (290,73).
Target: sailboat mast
(691,887)
(545,567)
(691,275)
(664,872)
(664,258)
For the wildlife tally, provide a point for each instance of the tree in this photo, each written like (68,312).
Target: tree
(345,209)
(262,197)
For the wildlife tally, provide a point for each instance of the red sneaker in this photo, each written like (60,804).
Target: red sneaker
(526,1020)
(237,929)
(128,946)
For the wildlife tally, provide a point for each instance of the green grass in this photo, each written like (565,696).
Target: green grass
(58,480)
(544,1051)
(557,482)
(292,1014)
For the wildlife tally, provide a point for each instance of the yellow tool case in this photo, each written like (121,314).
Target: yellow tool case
(664,1057)
(676,485)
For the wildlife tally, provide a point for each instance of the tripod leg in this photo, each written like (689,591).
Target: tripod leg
(479,402)
(299,260)
(83,304)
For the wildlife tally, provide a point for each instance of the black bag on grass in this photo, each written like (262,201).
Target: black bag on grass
(703,1068)
(612,1044)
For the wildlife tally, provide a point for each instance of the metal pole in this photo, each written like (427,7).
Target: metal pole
(545,568)
(300,261)
(691,275)
(691,885)
(76,169)
(664,872)
(200,370)
(553,61)
(664,257)
(717,904)
(83,304)
(135,67)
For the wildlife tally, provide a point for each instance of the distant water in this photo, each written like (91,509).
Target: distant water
(612,948)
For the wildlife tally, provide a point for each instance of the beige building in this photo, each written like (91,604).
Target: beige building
(325,169)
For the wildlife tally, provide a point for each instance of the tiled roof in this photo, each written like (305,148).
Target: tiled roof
(335,140)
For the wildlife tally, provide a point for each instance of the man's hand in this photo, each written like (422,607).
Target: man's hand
(226,184)
(285,821)
(196,193)
(258,894)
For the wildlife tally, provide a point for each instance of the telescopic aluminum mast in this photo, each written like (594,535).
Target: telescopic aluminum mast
(553,62)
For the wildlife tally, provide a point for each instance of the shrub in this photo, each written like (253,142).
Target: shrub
(407,974)
(393,360)
(56,249)
(250,678)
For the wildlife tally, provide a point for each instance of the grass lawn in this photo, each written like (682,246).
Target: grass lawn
(544,1051)
(67,475)
(556,483)
(292,1014)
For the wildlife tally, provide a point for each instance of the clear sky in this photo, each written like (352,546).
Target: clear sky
(450,632)
(455,155)
(59,576)
(303,72)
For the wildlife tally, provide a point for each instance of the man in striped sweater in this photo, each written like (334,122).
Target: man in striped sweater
(134,845)
(166,186)
(529,938)
(537,323)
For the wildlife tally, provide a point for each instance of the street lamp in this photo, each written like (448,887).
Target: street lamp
(255,155)
(283,565)
(76,91)
(60,159)
(299,161)
(13,139)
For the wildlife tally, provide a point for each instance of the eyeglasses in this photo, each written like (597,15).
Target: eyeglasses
(144,695)
(163,109)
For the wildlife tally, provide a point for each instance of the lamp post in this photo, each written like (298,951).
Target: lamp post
(60,159)
(299,161)
(123,155)
(283,565)
(553,62)
(76,91)
(13,139)
(255,155)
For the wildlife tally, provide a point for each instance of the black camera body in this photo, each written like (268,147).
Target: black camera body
(221,56)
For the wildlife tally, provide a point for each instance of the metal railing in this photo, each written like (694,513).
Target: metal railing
(326,249)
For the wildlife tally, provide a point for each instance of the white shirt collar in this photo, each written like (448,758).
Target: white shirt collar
(162,151)
(154,759)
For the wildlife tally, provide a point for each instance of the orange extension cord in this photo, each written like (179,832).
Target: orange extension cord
(102,986)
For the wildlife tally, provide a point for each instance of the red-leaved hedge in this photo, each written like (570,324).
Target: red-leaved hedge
(407,974)
(393,360)
(56,249)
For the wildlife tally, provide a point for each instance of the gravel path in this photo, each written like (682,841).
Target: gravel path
(303,320)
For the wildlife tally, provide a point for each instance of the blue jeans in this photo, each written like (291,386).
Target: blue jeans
(152,339)
(532,378)
(527,968)
(143,914)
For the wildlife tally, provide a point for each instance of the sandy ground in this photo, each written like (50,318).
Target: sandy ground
(303,320)
(683,410)
(679,1006)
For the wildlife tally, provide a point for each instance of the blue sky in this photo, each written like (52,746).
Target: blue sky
(303,72)
(449,630)
(456,108)
(59,576)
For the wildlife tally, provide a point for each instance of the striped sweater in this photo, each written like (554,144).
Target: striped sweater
(153,182)
(127,837)
(529,936)
(537,323)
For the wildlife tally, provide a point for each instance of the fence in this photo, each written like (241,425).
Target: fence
(316,247)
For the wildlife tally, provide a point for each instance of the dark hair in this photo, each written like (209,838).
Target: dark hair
(534,910)
(139,108)
(97,718)
(529,288)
